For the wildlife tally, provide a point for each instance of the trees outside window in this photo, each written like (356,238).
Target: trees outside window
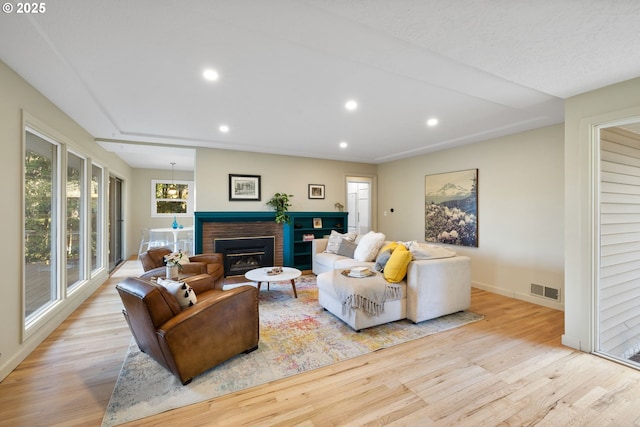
(63,223)
(75,236)
(96,224)
(171,198)
(41,206)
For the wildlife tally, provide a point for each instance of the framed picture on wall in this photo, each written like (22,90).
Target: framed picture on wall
(316,191)
(317,222)
(451,208)
(244,187)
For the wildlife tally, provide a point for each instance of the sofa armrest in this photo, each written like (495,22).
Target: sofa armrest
(208,258)
(319,245)
(191,268)
(213,265)
(194,268)
(437,287)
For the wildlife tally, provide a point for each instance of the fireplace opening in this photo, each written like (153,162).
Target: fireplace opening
(245,253)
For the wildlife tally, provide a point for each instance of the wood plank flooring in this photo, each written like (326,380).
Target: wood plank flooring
(508,369)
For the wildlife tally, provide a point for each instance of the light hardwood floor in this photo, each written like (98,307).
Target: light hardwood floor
(508,369)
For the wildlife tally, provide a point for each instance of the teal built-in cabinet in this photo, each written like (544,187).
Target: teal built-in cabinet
(303,225)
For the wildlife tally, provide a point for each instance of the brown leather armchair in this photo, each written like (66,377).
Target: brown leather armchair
(188,342)
(211,263)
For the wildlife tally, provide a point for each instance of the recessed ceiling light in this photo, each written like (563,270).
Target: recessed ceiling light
(351,105)
(210,74)
(343,144)
(432,122)
(223,128)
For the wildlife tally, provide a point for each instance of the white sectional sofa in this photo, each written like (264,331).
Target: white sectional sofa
(432,287)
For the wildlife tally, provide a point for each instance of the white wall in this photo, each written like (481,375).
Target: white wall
(582,113)
(287,174)
(18,96)
(141,204)
(520,211)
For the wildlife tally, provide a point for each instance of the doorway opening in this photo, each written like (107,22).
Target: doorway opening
(359,204)
(617,259)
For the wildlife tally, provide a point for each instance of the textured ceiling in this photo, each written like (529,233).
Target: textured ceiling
(130,71)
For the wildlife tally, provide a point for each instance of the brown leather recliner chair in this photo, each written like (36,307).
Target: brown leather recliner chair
(210,263)
(188,342)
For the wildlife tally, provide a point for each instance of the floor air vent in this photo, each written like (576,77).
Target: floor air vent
(545,291)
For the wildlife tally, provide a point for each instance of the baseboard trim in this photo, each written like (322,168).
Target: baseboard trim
(518,295)
(572,342)
(540,301)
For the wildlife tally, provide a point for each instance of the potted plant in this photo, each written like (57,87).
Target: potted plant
(281,203)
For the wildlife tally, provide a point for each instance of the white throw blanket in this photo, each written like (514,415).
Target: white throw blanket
(367,294)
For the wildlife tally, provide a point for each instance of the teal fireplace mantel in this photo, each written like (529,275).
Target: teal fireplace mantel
(297,234)
(225,216)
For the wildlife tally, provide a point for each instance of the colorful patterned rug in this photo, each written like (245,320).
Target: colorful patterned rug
(296,335)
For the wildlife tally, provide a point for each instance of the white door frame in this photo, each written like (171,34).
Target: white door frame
(371,180)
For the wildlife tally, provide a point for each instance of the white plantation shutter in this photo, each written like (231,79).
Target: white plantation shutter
(619,288)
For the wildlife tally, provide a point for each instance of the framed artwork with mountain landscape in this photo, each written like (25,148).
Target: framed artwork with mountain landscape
(451,208)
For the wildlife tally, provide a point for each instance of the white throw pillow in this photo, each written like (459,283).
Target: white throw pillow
(184,293)
(368,247)
(336,238)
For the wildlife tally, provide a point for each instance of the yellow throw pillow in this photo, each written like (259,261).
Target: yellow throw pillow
(396,267)
(392,246)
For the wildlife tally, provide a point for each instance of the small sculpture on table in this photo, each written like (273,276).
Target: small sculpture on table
(275,271)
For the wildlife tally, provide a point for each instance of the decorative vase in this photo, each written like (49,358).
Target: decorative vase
(172,272)
(175,223)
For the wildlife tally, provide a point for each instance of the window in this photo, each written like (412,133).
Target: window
(171,198)
(74,238)
(63,242)
(96,225)
(41,222)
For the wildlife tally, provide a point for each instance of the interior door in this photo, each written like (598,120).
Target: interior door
(359,204)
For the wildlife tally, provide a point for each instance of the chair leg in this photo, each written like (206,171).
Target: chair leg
(142,248)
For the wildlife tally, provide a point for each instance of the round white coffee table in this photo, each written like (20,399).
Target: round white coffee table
(260,275)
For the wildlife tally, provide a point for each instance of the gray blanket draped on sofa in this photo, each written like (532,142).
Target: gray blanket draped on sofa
(367,293)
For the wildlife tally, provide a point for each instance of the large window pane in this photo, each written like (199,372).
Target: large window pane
(40,205)
(74,239)
(96,217)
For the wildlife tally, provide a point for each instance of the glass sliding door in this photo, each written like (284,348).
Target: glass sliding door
(41,224)
(115,222)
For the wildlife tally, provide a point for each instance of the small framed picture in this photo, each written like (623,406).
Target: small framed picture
(316,191)
(317,222)
(244,187)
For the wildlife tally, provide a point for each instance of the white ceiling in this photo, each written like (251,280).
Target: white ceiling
(130,72)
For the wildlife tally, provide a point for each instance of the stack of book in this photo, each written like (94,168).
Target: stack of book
(360,272)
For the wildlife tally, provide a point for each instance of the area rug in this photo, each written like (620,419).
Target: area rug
(296,335)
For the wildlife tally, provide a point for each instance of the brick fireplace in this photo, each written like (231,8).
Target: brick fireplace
(212,226)
(242,254)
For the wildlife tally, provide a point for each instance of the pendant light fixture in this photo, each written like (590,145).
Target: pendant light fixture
(172,191)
